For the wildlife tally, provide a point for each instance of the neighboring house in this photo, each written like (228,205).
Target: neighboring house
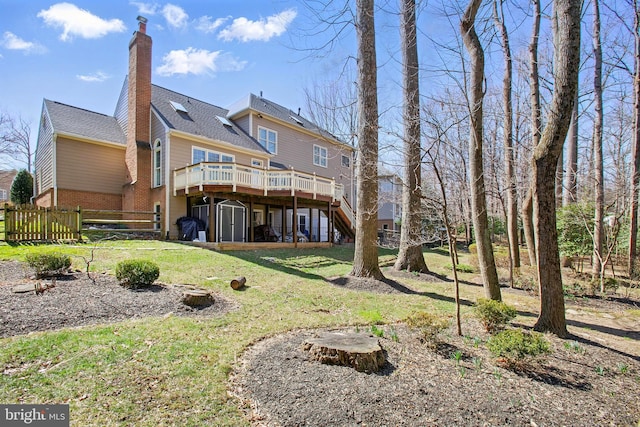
(6,180)
(256,163)
(390,201)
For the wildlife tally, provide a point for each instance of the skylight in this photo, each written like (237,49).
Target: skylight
(297,120)
(178,107)
(224,121)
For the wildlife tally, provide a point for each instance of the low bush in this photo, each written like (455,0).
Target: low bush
(517,347)
(48,265)
(429,325)
(137,273)
(462,268)
(494,315)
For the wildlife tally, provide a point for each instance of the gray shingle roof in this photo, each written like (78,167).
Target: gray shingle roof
(89,124)
(200,119)
(265,106)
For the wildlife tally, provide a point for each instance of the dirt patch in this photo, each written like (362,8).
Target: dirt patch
(75,300)
(579,384)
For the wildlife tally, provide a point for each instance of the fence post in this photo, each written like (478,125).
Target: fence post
(79,224)
(7,222)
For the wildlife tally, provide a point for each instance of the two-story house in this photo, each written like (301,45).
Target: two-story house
(255,163)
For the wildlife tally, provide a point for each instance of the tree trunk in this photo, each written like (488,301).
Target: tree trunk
(476,172)
(509,158)
(365,259)
(571,176)
(545,159)
(598,227)
(559,177)
(635,175)
(536,130)
(410,255)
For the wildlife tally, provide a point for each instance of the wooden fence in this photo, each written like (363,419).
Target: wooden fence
(121,221)
(31,223)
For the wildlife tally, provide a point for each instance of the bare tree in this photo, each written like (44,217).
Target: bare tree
(15,136)
(598,231)
(571,176)
(510,177)
(410,255)
(536,131)
(365,260)
(635,174)
(476,175)
(566,31)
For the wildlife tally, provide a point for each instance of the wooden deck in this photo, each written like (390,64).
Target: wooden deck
(245,246)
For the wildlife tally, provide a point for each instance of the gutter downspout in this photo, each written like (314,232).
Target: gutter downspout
(55,169)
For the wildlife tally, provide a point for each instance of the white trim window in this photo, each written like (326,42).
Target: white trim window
(157,163)
(257,163)
(3,194)
(268,139)
(319,156)
(346,161)
(199,154)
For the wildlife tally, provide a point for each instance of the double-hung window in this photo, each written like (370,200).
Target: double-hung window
(157,164)
(319,156)
(268,139)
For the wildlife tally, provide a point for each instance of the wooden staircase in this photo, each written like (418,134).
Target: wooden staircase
(344,220)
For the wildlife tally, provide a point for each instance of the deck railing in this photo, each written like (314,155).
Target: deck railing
(234,175)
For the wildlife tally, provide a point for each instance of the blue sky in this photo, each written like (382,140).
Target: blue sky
(76,52)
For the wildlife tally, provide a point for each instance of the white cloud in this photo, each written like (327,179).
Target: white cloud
(245,30)
(175,15)
(93,78)
(78,22)
(206,25)
(197,61)
(13,42)
(145,8)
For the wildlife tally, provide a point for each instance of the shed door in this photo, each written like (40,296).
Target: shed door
(231,223)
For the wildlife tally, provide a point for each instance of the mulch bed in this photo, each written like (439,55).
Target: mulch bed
(76,300)
(584,382)
(578,385)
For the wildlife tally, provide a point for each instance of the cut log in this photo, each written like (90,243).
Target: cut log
(197,298)
(359,351)
(238,283)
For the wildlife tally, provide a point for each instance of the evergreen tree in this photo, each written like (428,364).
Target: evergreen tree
(22,188)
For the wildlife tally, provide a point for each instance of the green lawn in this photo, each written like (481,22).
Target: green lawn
(173,371)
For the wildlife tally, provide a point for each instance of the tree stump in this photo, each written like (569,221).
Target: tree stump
(359,351)
(238,283)
(197,298)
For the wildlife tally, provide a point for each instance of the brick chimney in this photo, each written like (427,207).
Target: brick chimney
(138,152)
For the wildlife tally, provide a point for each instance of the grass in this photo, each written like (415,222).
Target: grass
(172,370)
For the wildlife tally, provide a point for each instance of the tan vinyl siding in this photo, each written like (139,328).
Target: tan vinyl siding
(122,112)
(181,152)
(158,133)
(295,149)
(89,167)
(44,155)
(243,123)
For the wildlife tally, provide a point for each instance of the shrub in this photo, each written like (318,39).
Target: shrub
(462,268)
(494,315)
(137,273)
(429,326)
(48,265)
(517,347)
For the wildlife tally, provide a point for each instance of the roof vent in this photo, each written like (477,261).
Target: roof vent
(297,120)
